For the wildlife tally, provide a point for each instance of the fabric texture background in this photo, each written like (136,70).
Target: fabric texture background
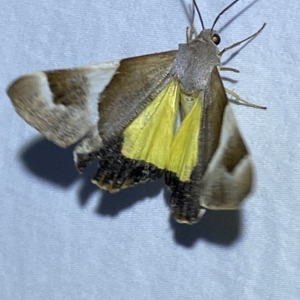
(62,238)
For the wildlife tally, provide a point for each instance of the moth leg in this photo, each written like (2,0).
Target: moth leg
(229,69)
(238,99)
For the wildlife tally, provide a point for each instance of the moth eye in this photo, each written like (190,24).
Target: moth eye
(216,39)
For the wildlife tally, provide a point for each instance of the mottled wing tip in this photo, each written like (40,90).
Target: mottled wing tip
(62,104)
(228,178)
(186,218)
(34,102)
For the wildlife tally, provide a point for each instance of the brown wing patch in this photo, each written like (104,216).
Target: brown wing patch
(137,82)
(61,104)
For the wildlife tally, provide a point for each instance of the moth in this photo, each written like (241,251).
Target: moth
(123,113)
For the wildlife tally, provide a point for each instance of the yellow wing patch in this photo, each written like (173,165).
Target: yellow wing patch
(149,136)
(184,149)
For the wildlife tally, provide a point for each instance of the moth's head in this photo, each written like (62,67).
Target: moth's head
(209,35)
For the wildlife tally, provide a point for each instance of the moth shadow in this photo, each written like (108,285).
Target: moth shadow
(228,79)
(54,164)
(235,53)
(46,160)
(112,204)
(188,10)
(219,227)
(237,15)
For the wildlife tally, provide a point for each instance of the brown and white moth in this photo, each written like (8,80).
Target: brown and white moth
(124,114)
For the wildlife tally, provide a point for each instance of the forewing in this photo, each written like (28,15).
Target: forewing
(222,176)
(227,179)
(95,104)
(62,104)
(137,116)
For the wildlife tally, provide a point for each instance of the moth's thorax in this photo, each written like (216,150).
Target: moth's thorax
(195,62)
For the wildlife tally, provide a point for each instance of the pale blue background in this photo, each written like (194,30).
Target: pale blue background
(62,238)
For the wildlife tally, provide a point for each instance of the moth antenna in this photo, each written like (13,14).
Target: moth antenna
(222,12)
(199,14)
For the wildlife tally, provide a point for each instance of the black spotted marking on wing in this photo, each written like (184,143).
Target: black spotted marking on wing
(116,172)
(184,206)
(84,160)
